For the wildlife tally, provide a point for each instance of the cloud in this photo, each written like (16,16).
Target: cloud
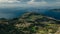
(23,0)
(33,2)
(28,3)
(8,1)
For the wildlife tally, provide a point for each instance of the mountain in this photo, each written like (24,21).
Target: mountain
(57,10)
(30,23)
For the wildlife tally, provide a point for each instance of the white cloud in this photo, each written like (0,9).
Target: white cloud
(8,1)
(3,0)
(25,3)
(32,2)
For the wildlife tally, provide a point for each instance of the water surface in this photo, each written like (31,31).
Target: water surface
(17,12)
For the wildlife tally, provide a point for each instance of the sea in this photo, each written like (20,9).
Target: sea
(17,12)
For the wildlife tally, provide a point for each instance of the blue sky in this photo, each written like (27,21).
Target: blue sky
(28,3)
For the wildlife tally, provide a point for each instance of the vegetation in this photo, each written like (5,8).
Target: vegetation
(29,23)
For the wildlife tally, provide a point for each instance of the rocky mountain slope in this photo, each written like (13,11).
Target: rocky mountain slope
(30,23)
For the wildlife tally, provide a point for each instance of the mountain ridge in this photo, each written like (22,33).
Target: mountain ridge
(29,23)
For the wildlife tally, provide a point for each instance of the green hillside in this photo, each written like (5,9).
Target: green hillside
(29,23)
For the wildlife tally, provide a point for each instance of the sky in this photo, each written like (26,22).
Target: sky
(29,3)
(15,5)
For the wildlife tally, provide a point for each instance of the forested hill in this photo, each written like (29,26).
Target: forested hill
(29,23)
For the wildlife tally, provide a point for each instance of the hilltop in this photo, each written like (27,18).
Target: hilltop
(30,23)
